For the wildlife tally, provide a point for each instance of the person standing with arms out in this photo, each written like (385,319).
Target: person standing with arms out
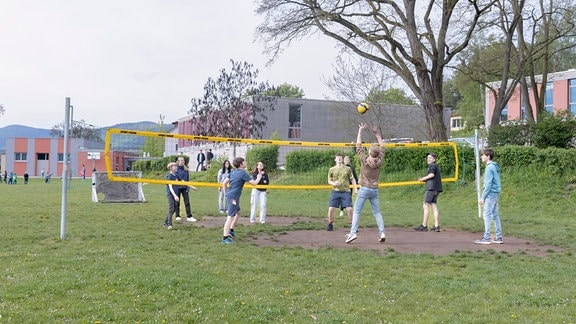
(259,194)
(236,179)
(200,158)
(223,173)
(370,165)
(490,197)
(347,163)
(339,178)
(171,193)
(433,181)
(183,191)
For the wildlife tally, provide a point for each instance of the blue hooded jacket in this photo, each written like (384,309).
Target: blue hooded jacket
(491,179)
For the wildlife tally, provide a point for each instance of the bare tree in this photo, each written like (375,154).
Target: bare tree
(78,129)
(232,105)
(390,33)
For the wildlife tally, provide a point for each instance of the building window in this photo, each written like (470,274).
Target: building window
(42,156)
(60,157)
(295,122)
(549,98)
(504,114)
(19,156)
(572,97)
(456,123)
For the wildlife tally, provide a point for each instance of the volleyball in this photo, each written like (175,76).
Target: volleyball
(362,108)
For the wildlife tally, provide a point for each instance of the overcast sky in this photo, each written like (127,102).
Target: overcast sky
(132,60)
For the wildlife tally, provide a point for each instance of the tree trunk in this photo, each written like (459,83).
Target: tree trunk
(435,122)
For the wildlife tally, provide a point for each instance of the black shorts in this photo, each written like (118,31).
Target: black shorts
(431,197)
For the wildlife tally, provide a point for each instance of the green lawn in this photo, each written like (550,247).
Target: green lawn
(118,264)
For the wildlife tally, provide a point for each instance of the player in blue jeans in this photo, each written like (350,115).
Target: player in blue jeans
(490,197)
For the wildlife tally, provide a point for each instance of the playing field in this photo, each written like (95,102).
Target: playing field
(118,264)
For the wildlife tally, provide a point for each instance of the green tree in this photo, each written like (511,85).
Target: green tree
(390,96)
(415,40)
(155,146)
(286,90)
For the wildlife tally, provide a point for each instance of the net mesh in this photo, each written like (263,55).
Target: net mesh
(290,164)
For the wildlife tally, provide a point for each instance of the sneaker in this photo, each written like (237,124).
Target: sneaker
(191,219)
(341,213)
(178,218)
(436,229)
(168,226)
(227,241)
(351,237)
(482,241)
(231,234)
(498,241)
(221,212)
(330,227)
(252,221)
(382,238)
(421,228)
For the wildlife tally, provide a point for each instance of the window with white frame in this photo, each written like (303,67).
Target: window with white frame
(549,97)
(20,156)
(456,123)
(572,96)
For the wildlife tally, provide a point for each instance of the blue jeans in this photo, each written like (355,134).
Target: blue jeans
(372,195)
(491,214)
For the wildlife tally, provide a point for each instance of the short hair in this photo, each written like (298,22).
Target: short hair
(488,152)
(338,154)
(170,165)
(374,150)
(238,162)
(432,154)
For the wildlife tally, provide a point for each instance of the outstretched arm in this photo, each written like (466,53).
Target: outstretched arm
(359,137)
(378,137)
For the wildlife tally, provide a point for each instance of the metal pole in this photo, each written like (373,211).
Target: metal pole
(477,159)
(65,171)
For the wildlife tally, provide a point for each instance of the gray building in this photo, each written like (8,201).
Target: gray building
(313,120)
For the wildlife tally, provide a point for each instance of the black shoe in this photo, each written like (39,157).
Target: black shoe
(421,228)
(231,234)
(330,227)
(436,229)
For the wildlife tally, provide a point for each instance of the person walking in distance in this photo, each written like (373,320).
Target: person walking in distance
(490,197)
(370,165)
(339,177)
(433,181)
(183,191)
(223,173)
(236,180)
(258,196)
(200,158)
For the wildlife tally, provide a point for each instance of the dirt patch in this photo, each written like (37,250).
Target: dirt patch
(402,240)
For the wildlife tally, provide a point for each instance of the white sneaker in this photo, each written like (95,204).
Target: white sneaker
(351,237)
(191,219)
(178,218)
(252,221)
(382,238)
(341,213)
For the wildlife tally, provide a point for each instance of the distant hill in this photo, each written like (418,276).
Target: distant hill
(31,132)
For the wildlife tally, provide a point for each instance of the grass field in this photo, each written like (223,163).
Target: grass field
(118,264)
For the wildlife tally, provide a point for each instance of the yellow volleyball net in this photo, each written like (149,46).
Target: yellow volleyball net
(290,164)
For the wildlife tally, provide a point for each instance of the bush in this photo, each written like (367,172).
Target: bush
(555,131)
(267,154)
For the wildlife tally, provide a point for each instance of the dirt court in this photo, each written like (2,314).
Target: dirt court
(401,240)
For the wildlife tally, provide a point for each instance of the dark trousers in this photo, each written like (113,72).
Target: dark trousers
(171,209)
(183,194)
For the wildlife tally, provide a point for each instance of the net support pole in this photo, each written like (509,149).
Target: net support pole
(477,159)
(65,170)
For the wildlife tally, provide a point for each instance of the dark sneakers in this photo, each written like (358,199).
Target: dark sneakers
(330,227)
(436,229)
(421,228)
